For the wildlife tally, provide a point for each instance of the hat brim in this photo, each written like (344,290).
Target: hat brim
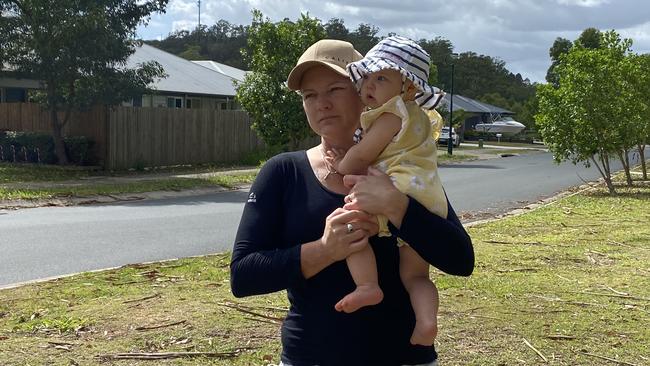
(295,76)
(427,97)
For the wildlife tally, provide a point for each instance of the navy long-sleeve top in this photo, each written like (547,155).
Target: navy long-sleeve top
(287,207)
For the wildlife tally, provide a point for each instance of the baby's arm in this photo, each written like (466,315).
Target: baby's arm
(362,155)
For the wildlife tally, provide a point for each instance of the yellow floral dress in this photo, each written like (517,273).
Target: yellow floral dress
(410,159)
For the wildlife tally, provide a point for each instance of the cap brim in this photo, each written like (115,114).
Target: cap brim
(295,76)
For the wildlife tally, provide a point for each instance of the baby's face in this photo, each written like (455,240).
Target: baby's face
(379,87)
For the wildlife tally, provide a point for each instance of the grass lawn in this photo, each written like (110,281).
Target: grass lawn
(506,143)
(31,181)
(15,173)
(566,284)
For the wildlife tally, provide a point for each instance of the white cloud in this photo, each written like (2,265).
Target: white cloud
(520,32)
(340,11)
(585,3)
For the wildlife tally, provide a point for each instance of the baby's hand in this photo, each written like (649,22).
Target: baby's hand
(333,158)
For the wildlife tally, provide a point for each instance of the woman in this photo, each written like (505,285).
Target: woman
(303,219)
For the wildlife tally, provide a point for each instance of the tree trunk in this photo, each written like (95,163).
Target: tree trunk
(605,171)
(625,160)
(59,146)
(642,156)
(57,135)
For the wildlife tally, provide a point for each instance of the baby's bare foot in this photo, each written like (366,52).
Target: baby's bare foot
(424,333)
(364,295)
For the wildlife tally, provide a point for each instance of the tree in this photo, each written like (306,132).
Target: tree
(191,53)
(364,37)
(583,118)
(275,110)
(590,38)
(77,49)
(643,87)
(561,46)
(335,29)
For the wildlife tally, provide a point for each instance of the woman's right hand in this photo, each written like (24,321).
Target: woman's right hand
(346,232)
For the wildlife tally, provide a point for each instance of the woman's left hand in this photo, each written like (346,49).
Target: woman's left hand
(375,194)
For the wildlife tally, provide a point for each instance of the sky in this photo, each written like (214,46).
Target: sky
(519,32)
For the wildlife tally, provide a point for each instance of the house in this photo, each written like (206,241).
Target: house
(478,112)
(13,89)
(233,72)
(189,84)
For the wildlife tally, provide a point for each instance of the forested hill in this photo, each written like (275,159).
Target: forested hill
(481,77)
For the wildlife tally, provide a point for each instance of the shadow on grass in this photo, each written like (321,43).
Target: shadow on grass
(640,190)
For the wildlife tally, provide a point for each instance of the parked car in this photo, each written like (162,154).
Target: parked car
(444,137)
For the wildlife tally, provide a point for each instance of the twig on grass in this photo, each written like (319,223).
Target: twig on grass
(559,336)
(579,225)
(608,359)
(243,310)
(569,301)
(615,295)
(517,270)
(141,299)
(535,349)
(65,346)
(262,320)
(513,243)
(166,355)
(160,326)
(614,291)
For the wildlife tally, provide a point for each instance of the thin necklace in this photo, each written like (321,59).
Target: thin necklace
(329,169)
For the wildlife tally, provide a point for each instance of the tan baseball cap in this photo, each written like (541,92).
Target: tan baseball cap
(332,53)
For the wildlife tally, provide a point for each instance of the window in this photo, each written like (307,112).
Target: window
(137,101)
(15,95)
(193,103)
(173,102)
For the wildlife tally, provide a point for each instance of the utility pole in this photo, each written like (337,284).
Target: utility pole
(199,2)
(450,142)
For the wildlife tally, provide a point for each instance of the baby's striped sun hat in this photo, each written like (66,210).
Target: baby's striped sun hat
(404,55)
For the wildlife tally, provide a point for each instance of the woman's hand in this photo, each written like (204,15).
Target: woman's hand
(346,232)
(375,194)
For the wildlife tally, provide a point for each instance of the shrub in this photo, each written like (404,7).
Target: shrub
(34,147)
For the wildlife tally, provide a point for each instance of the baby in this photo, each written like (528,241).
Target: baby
(396,138)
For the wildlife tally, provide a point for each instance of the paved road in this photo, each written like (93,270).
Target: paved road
(51,241)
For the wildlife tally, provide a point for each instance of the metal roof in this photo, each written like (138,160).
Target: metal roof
(233,72)
(466,104)
(184,76)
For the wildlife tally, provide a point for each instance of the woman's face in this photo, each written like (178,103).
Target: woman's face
(331,104)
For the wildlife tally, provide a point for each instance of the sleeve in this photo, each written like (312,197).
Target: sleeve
(394,105)
(260,264)
(443,243)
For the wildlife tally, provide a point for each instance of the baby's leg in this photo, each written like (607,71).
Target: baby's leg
(423,293)
(363,268)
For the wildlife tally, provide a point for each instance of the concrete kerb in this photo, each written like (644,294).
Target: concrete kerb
(540,204)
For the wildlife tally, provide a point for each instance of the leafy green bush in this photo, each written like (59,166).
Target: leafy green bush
(34,147)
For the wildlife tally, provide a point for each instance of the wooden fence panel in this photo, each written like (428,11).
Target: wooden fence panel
(164,137)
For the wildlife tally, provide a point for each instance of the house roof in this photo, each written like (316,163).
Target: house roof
(233,72)
(466,104)
(184,76)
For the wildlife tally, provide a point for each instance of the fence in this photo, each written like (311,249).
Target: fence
(126,137)
(160,137)
(32,118)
